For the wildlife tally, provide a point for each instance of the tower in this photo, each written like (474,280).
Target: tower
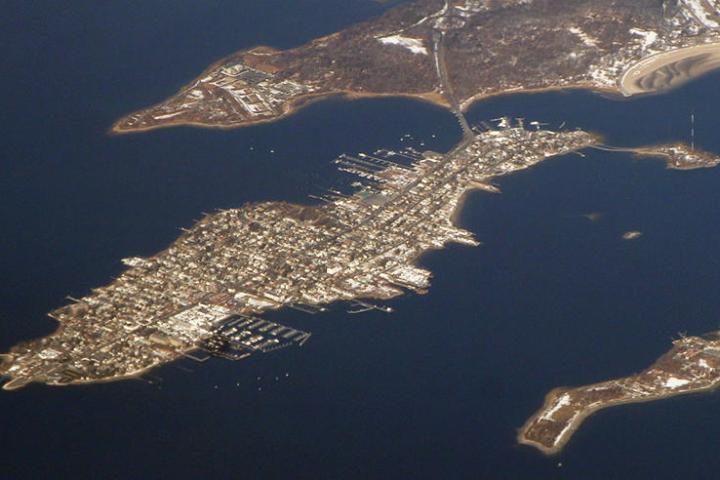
(692,131)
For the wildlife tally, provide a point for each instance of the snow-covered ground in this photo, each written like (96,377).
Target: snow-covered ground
(587,39)
(560,402)
(674,382)
(415,45)
(648,37)
(702,11)
(166,116)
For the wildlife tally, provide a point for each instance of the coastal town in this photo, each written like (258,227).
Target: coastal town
(234,264)
(206,293)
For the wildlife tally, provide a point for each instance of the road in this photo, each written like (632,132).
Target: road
(446,88)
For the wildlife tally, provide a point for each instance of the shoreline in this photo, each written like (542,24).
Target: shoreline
(135,374)
(580,418)
(618,91)
(292,108)
(303,101)
(456,204)
(587,86)
(350,95)
(659,60)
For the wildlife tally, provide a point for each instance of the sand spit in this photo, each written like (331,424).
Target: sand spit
(667,70)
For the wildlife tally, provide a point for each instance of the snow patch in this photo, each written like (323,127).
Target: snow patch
(564,431)
(561,402)
(169,115)
(603,78)
(587,39)
(674,382)
(415,45)
(702,363)
(699,12)
(648,37)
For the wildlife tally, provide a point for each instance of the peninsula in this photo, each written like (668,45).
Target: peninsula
(480,47)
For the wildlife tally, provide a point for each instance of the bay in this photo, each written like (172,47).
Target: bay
(435,390)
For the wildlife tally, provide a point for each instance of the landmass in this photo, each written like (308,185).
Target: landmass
(206,290)
(202,291)
(691,366)
(677,156)
(478,47)
(632,235)
(680,156)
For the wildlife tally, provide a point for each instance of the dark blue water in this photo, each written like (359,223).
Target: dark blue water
(435,390)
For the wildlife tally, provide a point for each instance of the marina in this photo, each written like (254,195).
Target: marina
(443,382)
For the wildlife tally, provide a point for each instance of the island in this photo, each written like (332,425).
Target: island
(631,235)
(205,291)
(691,366)
(453,53)
(679,156)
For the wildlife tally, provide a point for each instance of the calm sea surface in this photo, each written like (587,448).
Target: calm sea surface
(436,390)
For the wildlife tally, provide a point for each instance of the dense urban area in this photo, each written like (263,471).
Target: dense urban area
(235,264)
(205,294)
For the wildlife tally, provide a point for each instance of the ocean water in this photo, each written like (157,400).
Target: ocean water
(435,390)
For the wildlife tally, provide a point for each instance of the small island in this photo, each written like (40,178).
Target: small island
(632,235)
(691,366)
(679,156)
